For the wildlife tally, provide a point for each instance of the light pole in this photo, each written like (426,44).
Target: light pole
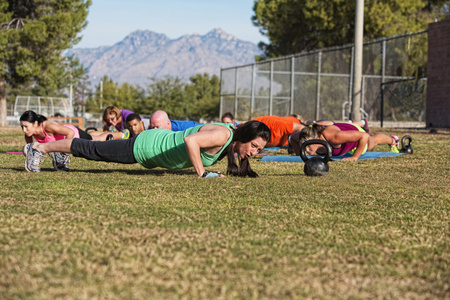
(357,67)
(67,62)
(101,93)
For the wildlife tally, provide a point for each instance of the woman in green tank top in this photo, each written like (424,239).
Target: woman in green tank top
(196,147)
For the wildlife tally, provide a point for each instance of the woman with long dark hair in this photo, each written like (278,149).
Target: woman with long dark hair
(196,147)
(43,131)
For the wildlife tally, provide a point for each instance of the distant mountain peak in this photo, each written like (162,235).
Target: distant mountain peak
(219,33)
(145,54)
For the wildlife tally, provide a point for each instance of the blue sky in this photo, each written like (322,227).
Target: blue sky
(109,21)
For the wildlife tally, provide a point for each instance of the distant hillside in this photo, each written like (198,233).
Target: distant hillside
(145,54)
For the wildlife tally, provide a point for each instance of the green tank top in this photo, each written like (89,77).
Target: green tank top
(166,149)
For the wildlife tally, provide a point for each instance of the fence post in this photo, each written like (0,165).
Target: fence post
(319,67)
(383,60)
(252,100)
(220,96)
(350,85)
(383,74)
(382,105)
(291,109)
(270,88)
(235,92)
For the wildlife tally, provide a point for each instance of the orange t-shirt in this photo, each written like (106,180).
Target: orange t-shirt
(280,129)
(291,119)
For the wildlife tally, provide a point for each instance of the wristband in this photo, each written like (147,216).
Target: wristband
(210,174)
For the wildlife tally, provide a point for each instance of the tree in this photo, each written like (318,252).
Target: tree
(203,96)
(111,93)
(167,94)
(33,35)
(293,26)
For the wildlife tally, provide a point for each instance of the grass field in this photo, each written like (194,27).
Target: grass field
(372,229)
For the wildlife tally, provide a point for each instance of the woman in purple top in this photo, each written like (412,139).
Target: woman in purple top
(112,116)
(343,138)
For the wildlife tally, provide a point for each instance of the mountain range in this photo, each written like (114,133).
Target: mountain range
(144,54)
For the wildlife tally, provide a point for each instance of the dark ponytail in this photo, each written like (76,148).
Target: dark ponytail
(31,116)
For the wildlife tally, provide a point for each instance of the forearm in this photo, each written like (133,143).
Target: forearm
(70,135)
(360,148)
(193,152)
(294,142)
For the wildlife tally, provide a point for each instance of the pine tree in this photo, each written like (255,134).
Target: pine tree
(33,35)
(293,26)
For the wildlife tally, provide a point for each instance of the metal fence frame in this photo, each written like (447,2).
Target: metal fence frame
(256,73)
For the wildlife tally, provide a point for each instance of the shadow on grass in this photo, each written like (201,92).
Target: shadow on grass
(141,172)
(106,171)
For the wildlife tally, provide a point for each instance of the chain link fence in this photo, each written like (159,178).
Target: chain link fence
(403,101)
(318,85)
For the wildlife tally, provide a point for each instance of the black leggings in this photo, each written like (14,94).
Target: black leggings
(119,151)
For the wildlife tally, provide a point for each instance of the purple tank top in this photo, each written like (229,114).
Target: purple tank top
(125,114)
(345,147)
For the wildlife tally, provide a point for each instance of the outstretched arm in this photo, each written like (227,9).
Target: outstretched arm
(341,137)
(210,138)
(56,128)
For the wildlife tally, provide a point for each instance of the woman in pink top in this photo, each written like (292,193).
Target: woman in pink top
(44,131)
(343,138)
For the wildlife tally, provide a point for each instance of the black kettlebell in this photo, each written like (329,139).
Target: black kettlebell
(406,147)
(316,166)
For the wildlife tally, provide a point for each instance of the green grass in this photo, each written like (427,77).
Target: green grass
(370,229)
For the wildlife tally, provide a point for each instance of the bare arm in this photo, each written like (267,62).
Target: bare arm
(211,138)
(295,142)
(56,128)
(336,136)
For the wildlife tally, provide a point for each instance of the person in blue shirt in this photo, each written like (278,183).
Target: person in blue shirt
(160,119)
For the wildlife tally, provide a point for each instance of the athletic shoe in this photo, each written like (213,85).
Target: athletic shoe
(60,161)
(112,129)
(33,159)
(394,145)
(125,134)
(366,126)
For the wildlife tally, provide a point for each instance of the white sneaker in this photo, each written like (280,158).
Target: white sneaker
(60,161)
(33,158)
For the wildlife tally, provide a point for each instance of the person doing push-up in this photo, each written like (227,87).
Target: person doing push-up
(197,147)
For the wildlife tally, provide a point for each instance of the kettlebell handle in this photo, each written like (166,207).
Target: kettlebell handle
(316,141)
(404,139)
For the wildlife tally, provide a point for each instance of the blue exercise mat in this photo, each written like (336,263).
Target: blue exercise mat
(367,155)
(272,148)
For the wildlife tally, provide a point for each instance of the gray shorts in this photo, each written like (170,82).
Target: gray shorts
(119,151)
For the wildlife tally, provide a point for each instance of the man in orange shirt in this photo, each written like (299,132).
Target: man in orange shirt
(280,128)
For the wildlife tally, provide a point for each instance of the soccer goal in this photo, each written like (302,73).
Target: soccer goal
(47,106)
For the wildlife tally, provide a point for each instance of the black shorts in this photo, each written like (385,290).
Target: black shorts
(119,151)
(84,135)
